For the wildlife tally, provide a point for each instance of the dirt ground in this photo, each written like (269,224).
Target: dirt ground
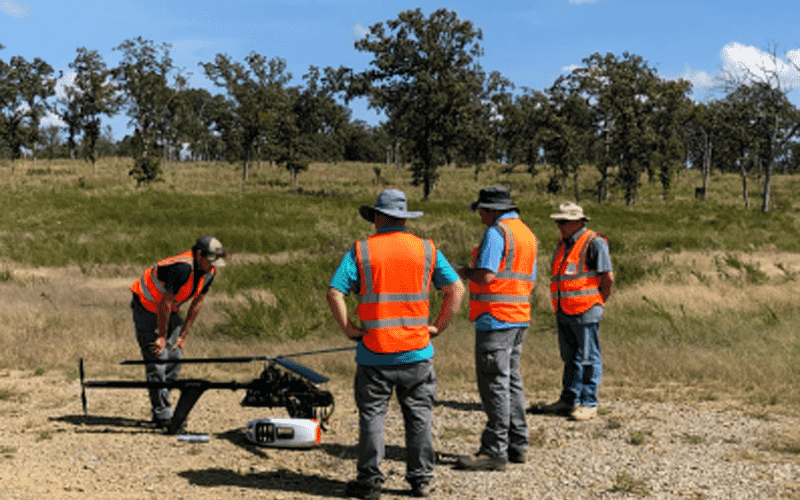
(50,450)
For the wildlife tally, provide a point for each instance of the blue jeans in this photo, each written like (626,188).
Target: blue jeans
(583,365)
(415,384)
(497,358)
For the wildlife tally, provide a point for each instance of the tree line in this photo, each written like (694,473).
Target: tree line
(613,112)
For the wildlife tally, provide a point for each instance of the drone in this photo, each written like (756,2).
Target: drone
(282,383)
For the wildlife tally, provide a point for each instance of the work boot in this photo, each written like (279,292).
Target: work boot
(560,407)
(582,413)
(419,490)
(367,491)
(516,456)
(480,461)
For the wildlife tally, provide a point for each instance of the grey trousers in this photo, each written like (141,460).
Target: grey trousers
(415,384)
(146,326)
(497,357)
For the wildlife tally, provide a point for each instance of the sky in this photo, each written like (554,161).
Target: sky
(531,43)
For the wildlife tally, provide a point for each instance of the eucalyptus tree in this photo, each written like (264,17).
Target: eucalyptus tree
(768,122)
(671,113)
(25,87)
(257,105)
(480,130)
(143,79)
(424,77)
(566,132)
(772,118)
(621,94)
(703,138)
(91,95)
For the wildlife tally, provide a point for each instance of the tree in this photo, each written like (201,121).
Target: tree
(567,132)
(774,122)
(622,96)
(143,78)
(92,94)
(257,103)
(25,88)
(424,77)
(672,111)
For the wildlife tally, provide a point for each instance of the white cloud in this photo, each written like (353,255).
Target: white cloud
(699,78)
(360,31)
(66,80)
(570,68)
(51,119)
(15,8)
(579,2)
(746,63)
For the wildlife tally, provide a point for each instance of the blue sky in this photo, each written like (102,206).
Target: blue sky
(529,42)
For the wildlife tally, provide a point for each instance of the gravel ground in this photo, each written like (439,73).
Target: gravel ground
(48,449)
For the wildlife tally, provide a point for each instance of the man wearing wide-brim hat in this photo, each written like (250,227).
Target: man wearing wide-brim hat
(582,278)
(392,272)
(501,277)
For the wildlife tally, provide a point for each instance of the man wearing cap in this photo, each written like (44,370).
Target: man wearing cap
(392,272)
(582,278)
(157,297)
(501,277)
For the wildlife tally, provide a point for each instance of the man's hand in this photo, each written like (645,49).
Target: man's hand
(433,331)
(180,342)
(158,346)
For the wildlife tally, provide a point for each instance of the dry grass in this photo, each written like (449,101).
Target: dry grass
(706,331)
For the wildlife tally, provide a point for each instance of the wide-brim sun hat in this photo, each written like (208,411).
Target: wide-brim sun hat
(390,202)
(493,198)
(569,211)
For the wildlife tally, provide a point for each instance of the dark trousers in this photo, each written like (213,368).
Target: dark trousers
(146,326)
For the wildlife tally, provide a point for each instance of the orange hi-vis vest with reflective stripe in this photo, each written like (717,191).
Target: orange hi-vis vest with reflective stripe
(507,296)
(574,289)
(150,290)
(396,271)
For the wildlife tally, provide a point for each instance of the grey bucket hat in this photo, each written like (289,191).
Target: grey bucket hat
(391,202)
(493,198)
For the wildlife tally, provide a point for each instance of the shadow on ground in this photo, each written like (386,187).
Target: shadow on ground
(103,424)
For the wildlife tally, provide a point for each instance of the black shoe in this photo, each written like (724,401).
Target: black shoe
(516,456)
(480,462)
(161,423)
(367,491)
(419,490)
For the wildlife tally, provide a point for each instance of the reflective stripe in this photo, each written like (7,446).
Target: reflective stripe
(576,293)
(482,297)
(393,322)
(370,297)
(508,275)
(573,277)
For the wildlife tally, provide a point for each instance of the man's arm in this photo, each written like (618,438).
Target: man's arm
(162,321)
(478,276)
(194,310)
(606,282)
(451,303)
(339,309)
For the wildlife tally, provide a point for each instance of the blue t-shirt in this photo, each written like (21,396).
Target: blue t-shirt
(490,255)
(346,280)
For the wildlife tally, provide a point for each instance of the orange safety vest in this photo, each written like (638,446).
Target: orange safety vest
(150,289)
(507,296)
(574,288)
(396,270)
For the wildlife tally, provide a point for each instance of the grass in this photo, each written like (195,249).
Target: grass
(703,308)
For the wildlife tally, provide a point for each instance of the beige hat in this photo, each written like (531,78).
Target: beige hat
(569,211)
